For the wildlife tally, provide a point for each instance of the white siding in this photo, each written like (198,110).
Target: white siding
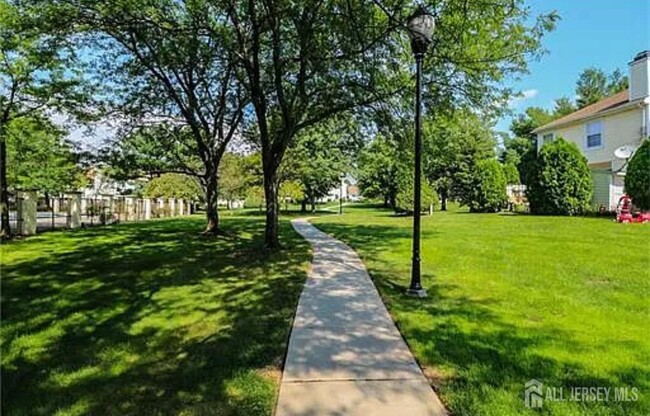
(617,130)
(602,181)
(616,190)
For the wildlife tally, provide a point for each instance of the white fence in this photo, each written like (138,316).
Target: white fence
(31,213)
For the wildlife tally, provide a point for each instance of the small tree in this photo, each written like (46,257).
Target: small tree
(455,142)
(254,197)
(561,182)
(637,178)
(291,190)
(511,173)
(378,171)
(174,185)
(404,199)
(484,187)
(39,157)
(317,160)
(233,178)
(405,193)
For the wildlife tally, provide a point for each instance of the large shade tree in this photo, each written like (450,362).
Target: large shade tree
(307,61)
(385,163)
(37,74)
(165,62)
(298,63)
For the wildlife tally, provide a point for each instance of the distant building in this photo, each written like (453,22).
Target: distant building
(340,191)
(601,128)
(101,184)
(353,193)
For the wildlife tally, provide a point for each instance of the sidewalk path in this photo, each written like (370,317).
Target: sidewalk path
(345,355)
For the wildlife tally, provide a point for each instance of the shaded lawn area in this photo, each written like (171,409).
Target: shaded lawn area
(515,297)
(148,318)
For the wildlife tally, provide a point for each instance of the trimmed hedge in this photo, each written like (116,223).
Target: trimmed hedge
(637,177)
(561,182)
(484,188)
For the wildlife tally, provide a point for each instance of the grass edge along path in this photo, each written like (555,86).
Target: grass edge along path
(148,318)
(515,297)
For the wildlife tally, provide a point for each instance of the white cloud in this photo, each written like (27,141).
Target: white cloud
(522,96)
(529,94)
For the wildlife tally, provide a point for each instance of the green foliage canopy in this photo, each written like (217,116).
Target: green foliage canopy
(291,190)
(38,72)
(173,185)
(307,61)
(561,183)
(453,144)
(483,187)
(39,157)
(379,167)
(319,159)
(594,84)
(233,177)
(637,178)
(511,173)
(405,196)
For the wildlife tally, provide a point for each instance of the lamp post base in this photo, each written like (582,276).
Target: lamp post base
(416,293)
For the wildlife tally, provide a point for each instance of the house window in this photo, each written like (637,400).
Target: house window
(594,134)
(547,138)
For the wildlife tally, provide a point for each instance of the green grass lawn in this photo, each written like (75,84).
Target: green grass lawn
(515,297)
(148,318)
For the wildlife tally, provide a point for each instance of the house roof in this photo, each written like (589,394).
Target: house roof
(604,105)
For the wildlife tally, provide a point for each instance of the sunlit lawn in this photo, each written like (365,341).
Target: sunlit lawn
(515,297)
(148,318)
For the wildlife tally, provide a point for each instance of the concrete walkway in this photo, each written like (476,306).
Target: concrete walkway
(345,354)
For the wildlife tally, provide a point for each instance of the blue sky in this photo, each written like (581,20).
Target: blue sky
(602,33)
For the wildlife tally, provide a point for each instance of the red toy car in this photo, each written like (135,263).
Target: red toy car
(624,213)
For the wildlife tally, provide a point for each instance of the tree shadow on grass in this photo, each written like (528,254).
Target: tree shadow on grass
(476,359)
(147,318)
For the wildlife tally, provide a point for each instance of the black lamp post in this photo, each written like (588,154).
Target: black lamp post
(420,27)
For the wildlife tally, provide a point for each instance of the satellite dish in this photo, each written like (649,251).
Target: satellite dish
(624,152)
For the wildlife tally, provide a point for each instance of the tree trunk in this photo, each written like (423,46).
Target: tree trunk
(443,200)
(211,212)
(385,201)
(313,204)
(5,231)
(271,239)
(303,205)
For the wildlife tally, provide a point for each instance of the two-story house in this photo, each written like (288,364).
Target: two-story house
(601,128)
